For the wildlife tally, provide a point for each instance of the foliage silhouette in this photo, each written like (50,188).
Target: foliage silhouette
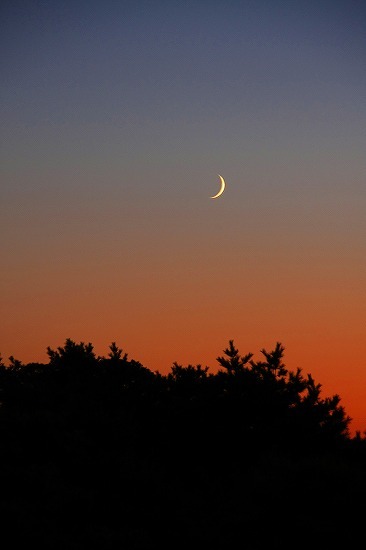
(101,452)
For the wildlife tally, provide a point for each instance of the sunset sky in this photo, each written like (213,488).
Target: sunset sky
(117,118)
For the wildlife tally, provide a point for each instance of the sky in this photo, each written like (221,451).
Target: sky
(117,119)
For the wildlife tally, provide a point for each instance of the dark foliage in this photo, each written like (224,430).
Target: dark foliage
(100,452)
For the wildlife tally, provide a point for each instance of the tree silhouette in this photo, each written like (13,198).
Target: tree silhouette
(100,452)
(72,354)
(115,353)
(234,363)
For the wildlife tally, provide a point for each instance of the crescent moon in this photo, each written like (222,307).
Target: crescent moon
(222,189)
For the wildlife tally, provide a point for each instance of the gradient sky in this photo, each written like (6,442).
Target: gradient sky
(117,118)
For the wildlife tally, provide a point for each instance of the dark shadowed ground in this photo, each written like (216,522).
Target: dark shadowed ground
(103,453)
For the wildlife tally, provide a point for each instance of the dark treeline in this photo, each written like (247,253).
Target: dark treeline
(101,452)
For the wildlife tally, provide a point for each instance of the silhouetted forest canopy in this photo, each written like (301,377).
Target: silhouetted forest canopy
(101,452)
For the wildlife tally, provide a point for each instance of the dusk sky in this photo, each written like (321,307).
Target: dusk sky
(116,119)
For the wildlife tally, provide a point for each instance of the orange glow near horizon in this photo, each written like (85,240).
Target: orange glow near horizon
(187,321)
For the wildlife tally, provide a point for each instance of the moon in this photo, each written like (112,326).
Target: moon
(222,189)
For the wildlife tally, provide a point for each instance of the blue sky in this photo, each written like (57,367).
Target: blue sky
(117,118)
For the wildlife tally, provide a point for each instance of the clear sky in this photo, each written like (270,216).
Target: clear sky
(116,119)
